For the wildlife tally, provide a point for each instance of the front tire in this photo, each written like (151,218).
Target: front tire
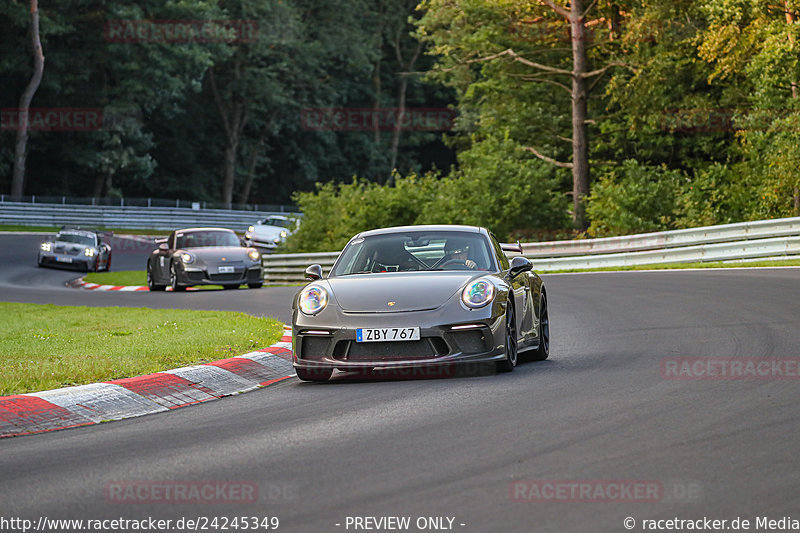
(543,352)
(314,374)
(151,284)
(173,279)
(508,364)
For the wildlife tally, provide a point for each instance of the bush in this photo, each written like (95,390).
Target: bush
(634,198)
(499,186)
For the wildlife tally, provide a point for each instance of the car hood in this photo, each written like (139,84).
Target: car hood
(216,253)
(268,232)
(411,291)
(71,246)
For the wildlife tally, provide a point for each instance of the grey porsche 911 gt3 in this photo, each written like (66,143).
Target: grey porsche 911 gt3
(419,296)
(203,256)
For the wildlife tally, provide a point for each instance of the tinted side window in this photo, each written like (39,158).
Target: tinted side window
(501,256)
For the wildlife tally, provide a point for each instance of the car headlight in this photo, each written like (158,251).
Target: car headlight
(89,252)
(477,293)
(187,258)
(284,234)
(254,255)
(251,229)
(313,300)
(46,246)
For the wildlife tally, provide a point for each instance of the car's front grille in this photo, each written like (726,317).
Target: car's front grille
(387,351)
(471,341)
(225,277)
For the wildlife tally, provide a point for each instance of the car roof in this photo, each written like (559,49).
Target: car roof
(204,229)
(81,232)
(427,228)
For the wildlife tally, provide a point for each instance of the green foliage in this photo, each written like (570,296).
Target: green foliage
(500,186)
(491,189)
(634,198)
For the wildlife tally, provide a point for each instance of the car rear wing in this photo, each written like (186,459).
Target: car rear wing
(98,232)
(511,247)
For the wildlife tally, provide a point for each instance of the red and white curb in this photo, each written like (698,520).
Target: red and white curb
(80,284)
(37,412)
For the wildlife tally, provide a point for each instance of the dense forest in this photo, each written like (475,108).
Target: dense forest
(535,118)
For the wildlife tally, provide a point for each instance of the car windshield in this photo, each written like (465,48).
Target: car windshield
(414,251)
(206,239)
(280,222)
(75,238)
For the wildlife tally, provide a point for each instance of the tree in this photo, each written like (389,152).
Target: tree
(18,181)
(470,33)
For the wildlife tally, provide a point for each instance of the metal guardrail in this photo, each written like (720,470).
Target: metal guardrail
(161,218)
(741,231)
(763,239)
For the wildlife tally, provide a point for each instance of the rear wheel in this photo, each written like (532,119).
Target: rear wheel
(314,374)
(508,364)
(173,279)
(151,284)
(543,352)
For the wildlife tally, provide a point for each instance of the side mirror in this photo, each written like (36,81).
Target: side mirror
(519,265)
(164,247)
(314,272)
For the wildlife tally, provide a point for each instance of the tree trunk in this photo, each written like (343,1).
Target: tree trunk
(251,167)
(18,180)
(401,111)
(234,119)
(401,99)
(580,133)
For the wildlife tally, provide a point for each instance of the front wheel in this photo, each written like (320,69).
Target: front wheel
(543,351)
(314,374)
(173,279)
(151,284)
(508,364)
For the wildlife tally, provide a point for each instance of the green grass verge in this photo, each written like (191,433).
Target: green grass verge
(678,266)
(123,277)
(44,347)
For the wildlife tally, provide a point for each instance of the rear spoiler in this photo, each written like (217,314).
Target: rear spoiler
(511,247)
(98,232)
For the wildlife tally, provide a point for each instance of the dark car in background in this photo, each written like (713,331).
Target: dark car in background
(419,296)
(76,248)
(203,256)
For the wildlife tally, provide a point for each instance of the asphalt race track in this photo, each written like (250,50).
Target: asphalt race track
(22,281)
(600,414)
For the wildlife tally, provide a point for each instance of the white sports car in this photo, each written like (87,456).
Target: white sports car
(267,234)
(76,248)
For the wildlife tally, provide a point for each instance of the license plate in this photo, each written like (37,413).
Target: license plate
(63,259)
(387,334)
(226,270)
